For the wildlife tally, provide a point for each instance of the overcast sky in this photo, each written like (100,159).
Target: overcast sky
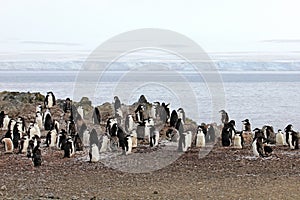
(216,25)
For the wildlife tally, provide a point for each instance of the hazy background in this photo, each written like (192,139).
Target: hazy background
(254,44)
(227,29)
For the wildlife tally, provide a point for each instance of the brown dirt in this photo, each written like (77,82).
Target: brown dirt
(225,173)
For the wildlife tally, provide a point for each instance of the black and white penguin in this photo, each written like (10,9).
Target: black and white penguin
(211,134)
(292,137)
(67,106)
(238,140)
(37,156)
(94,146)
(84,135)
(80,111)
(33,143)
(22,123)
(10,129)
(96,116)
(179,126)
(5,122)
(109,124)
(149,125)
(78,143)
(189,140)
(39,120)
(139,113)
(61,139)
(258,133)
(114,130)
(129,123)
(117,104)
(55,125)
(140,130)
(128,145)
(8,145)
(269,134)
(47,120)
(123,139)
(224,117)
(17,134)
(246,125)
(165,114)
(174,118)
(203,127)
(2,115)
(279,138)
(104,143)
(257,147)
(134,138)
(228,133)
(49,101)
(260,147)
(37,129)
(51,138)
(200,137)
(33,129)
(93,138)
(154,137)
(154,110)
(118,110)
(181,115)
(71,128)
(94,153)
(69,149)
(186,142)
(182,137)
(24,143)
(142,100)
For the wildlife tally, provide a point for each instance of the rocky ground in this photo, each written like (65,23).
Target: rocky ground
(224,173)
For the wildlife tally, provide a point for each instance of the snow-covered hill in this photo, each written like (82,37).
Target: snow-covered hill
(124,66)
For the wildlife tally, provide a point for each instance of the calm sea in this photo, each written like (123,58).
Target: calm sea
(263,97)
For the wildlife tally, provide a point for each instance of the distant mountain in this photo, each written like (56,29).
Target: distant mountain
(123,66)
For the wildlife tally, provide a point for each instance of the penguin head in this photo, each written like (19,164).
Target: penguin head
(232,123)
(180,110)
(245,121)
(256,130)
(289,127)
(199,129)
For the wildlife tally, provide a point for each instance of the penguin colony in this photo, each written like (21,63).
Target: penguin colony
(126,132)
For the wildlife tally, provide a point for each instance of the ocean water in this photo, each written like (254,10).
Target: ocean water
(263,97)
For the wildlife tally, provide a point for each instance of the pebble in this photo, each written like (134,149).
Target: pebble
(3,187)
(50,196)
